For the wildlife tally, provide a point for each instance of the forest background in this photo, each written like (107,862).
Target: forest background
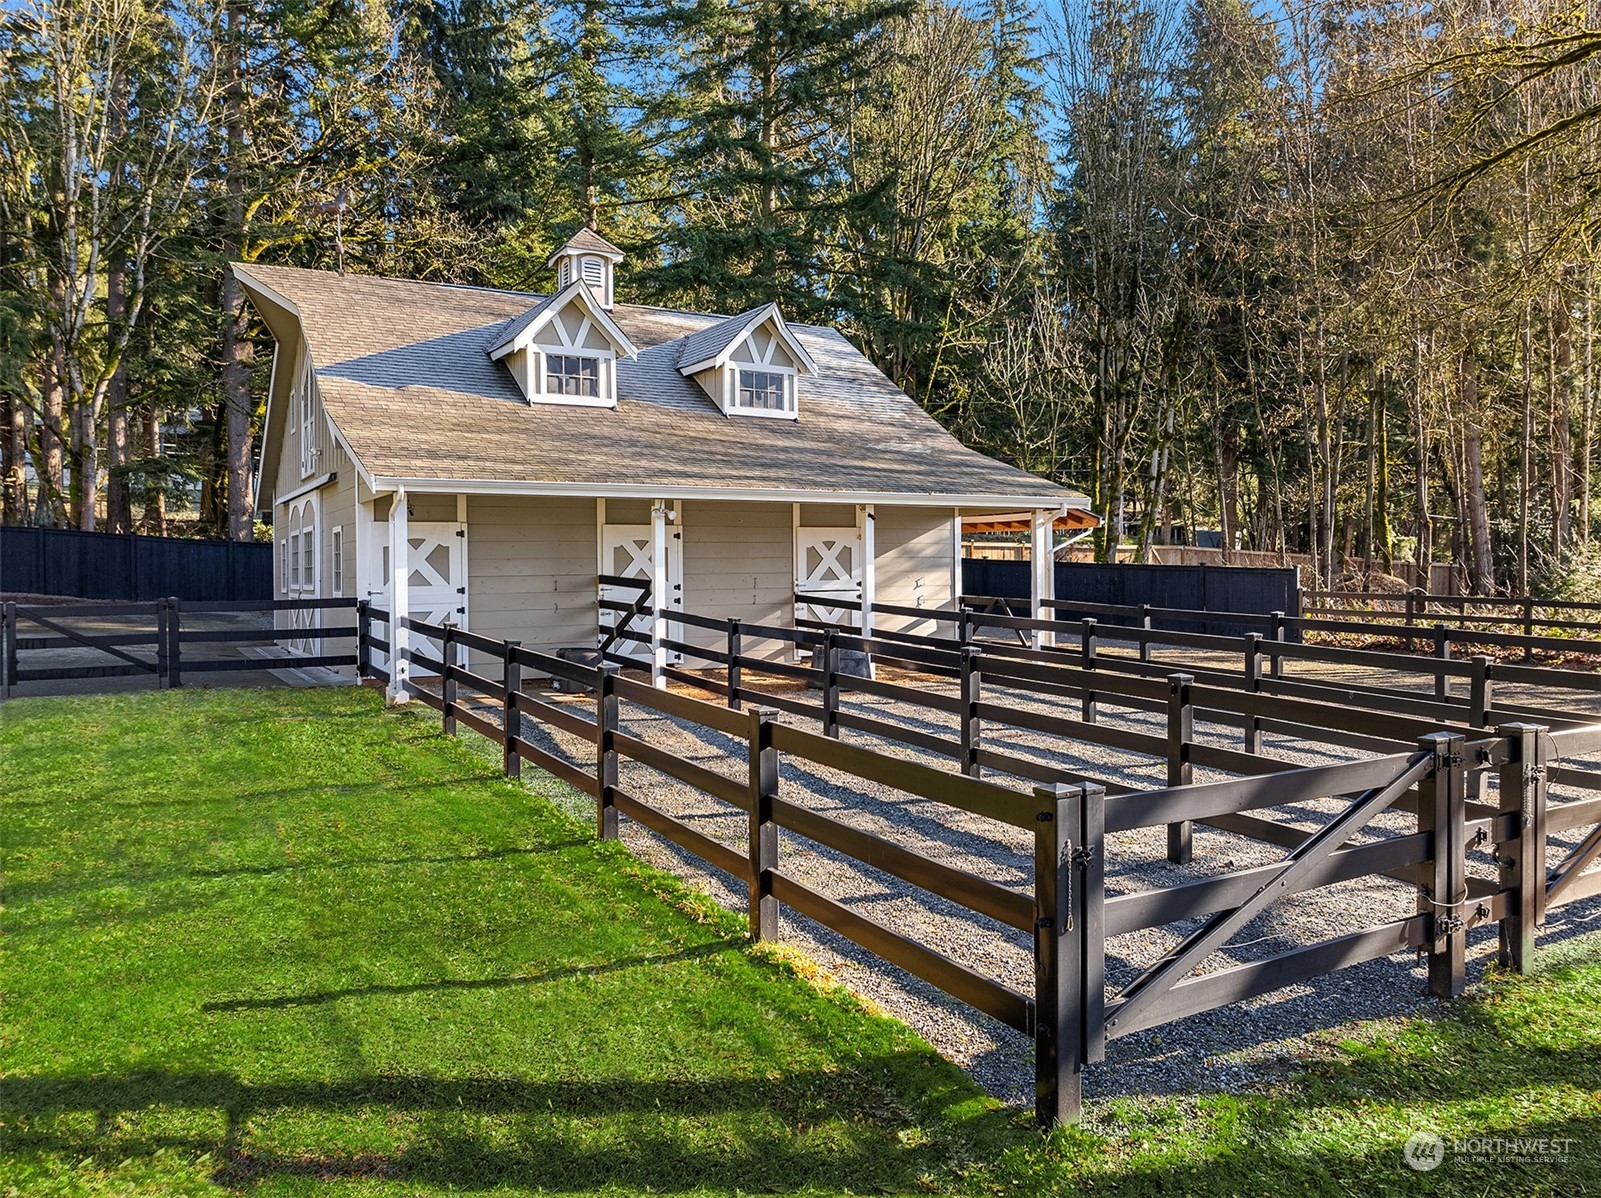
(1320,275)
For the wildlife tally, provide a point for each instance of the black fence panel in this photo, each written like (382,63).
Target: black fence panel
(130,568)
(1243,590)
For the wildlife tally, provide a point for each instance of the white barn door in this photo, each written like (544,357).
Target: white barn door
(828,564)
(437,582)
(301,573)
(625,553)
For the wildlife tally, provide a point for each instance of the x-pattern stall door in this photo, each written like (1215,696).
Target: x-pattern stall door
(437,581)
(625,553)
(828,563)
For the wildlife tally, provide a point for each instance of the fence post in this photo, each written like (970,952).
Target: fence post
(1086,652)
(964,627)
(1180,731)
(1522,858)
(1145,624)
(447,682)
(1412,609)
(1442,651)
(972,726)
(1278,635)
(1091,857)
(1253,683)
(8,647)
(1528,627)
(162,665)
(363,630)
(736,646)
(830,648)
(1058,958)
(1442,799)
(763,845)
(511,720)
(174,643)
(1479,697)
(606,752)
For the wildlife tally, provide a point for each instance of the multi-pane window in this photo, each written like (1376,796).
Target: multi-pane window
(337,553)
(762,391)
(294,559)
(571,374)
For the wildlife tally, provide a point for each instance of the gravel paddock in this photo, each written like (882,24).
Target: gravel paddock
(1232,1047)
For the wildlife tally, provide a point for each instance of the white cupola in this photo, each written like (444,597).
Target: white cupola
(590,259)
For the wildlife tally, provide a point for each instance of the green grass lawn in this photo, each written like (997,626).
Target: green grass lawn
(285,942)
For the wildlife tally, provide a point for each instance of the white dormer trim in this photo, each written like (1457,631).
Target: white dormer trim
(522,345)
(574,293)
(769,314)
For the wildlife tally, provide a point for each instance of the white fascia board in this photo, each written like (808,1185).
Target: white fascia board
(763,315)
(382,484)
(576,290)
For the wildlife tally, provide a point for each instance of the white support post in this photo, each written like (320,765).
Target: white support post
(399,597)
(956,558)
(659,594)
(866,522)
(1042,573)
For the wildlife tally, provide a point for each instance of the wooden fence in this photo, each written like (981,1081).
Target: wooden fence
(1067,911)
(146,640)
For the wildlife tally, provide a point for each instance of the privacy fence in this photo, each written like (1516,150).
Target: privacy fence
(1469,862)
(1218,591)
(126,567)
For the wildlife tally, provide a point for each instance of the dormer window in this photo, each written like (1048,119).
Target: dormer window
(765,391)
(569,374)
(564,350)
(748,364)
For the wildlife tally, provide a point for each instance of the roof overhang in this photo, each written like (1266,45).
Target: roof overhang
(575,292)
(1073,520)
(1060,505)
(762,316)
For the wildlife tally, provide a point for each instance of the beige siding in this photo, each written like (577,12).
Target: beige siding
(738,564)
(827,515)
(914,563)
(531,570)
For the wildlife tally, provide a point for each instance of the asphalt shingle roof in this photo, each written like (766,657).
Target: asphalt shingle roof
(405,376)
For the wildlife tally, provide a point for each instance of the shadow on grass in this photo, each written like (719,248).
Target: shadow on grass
(444,985)
(808,1129)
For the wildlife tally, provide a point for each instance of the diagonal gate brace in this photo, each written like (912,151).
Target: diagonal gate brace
(74,635)
(1150,987)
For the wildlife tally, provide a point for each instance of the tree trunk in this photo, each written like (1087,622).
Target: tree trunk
(50,509)
(237,349)
(155,515)
(119,505)
(1561,404)
(1482,575)
(14,457)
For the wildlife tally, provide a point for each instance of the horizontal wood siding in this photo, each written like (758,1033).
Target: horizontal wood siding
(531,569)
(739,563)
(914,563)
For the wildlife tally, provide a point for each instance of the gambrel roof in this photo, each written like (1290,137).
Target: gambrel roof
(407,381)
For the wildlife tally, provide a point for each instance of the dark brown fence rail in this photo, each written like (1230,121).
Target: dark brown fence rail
(147,640)
(1434,758)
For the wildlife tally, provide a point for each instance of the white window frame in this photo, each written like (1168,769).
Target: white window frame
(731,389)
(283,566)
(305,417)
(336,559)
(539,386)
